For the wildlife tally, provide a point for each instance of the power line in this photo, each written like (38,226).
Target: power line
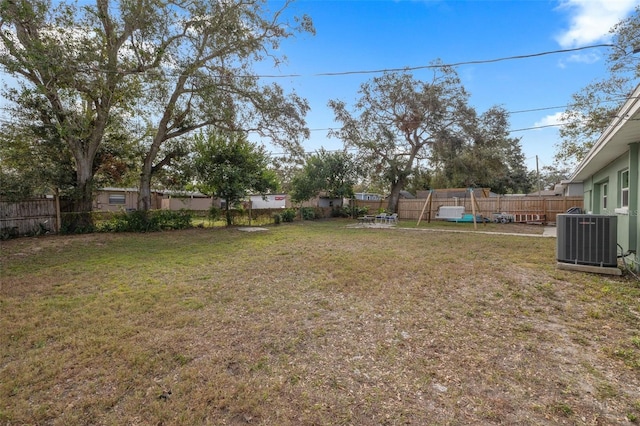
(376,71)
(431,66)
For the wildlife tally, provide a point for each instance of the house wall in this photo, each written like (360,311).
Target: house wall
(271,201)
(367,196)
(594,194)
(102,203)
(188,203)
(329,202)
(573,190)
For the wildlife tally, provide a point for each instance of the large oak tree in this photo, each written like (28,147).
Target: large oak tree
(72,71)
(168,67)
(206,53)
(591,109)
(398,118)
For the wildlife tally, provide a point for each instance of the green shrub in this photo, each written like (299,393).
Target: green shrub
(151,221)
(277,218)
(77,223)
(214,214)
(349,211)
(288,215)
(308,213)
(8,233)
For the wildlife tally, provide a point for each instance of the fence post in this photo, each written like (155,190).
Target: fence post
(58,215)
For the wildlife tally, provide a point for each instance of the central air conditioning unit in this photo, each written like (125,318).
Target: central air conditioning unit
(587,239)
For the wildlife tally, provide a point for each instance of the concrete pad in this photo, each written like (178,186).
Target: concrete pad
(608,270)
(252,229)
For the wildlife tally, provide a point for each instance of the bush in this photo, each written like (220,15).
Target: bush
(288,215)
(214,214)
(308,213)
(77,223)
(151,221)
(349,211)
(8,233)
(277,218)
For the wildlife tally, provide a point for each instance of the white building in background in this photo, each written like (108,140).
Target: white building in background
(368,196)
(270,201)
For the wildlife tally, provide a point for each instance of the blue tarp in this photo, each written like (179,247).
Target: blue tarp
(466,218)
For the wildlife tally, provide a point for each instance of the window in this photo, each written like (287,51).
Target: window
(624,188)
(116,198)
(605,194)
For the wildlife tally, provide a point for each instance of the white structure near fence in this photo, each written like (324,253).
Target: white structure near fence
(270,201)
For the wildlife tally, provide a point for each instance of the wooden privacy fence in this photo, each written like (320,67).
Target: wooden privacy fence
(538,209)
(27,217)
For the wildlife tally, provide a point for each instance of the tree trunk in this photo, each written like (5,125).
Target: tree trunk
(144,194)
(228,214)
(394,197)
(80,219)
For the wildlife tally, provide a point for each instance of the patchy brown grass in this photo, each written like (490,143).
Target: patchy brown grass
(312,323)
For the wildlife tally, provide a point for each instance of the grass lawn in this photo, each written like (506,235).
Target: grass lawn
(312,323)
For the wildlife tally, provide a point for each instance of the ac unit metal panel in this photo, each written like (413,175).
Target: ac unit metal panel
(587,239)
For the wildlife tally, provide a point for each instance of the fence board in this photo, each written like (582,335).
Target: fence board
(26,217)
(548,207)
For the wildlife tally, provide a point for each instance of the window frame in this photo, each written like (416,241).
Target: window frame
(624,188)
(117,199)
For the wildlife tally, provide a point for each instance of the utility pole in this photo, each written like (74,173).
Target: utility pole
(538,175)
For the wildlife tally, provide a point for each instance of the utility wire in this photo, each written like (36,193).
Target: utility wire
(376,71)
(455,64)
(431,66)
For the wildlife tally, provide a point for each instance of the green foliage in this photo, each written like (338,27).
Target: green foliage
(14,187)
(208,54)
(309,213)
(288,215)
(77,223)
(70,82)
(400,120)
(483,156)
(350,211)
(8,233)
(33,160)
(147,221)
(214,214)
(101,79)
(277,218)
(230,167)
(591,110)
(334,173)
(549,176)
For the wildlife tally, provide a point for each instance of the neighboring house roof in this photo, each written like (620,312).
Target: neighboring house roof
(113,189)
(457,192)
(407,195)
(623,130)
(544,193)
(158,191)
(182,194)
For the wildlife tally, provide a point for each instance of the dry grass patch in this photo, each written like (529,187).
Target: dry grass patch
(312,323)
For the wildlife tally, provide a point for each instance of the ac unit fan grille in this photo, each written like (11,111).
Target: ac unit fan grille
(587,239)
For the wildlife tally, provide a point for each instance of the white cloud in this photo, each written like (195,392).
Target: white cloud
(591,20)
(583,58)
(550,120)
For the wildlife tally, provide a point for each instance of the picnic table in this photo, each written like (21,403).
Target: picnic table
(366,219)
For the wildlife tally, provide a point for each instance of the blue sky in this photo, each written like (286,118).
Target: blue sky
(361,35)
